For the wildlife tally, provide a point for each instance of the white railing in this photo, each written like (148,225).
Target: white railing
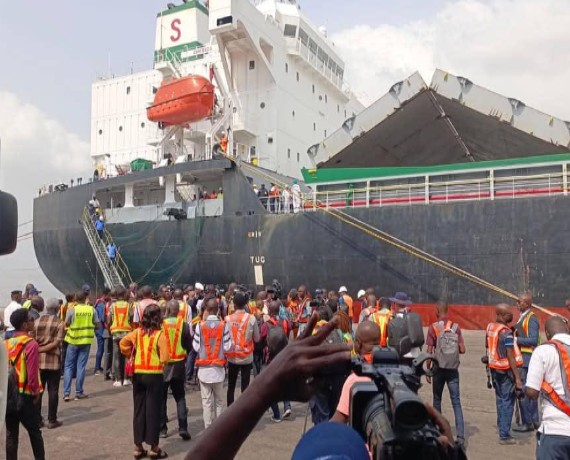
(426,190)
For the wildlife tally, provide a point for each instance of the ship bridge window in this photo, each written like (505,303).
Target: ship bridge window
(313,46)
(304,37)
(290,30)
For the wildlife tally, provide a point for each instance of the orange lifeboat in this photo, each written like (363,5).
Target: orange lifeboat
(182,100)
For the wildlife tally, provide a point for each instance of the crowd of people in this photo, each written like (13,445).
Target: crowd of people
(159,341)
(280,201)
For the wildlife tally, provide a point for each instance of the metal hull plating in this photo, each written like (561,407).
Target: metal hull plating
(516,244)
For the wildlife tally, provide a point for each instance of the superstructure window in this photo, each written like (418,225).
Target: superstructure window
(297,76)
(251,65)
(120,128)
(286,68)
(290,30)
(128,90)
(298,157)
(326,99)
(289,154)
(304,37)
(313,89)
(314,126)
(100,132)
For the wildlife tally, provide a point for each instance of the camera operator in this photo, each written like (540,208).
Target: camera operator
(326,398)
(366,338)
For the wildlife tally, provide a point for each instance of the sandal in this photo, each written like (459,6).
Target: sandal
(138,454)
(158,454)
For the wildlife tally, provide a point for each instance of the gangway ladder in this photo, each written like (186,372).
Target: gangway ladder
(110,270)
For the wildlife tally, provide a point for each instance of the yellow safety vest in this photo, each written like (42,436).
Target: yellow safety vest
(82,330)
(121,321)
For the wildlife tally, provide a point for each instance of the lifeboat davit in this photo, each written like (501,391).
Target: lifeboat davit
(182,100)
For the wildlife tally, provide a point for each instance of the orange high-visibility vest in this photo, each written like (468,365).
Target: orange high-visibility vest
(15,348)
(238,322)
(147,359)
(382,318)
(495,362)
(348,301)
(121,321)
(527,349)
(560,402)
(211,352)
(173,330)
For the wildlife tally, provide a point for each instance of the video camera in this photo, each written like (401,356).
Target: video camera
(275,291)
(387,412)
(319,299)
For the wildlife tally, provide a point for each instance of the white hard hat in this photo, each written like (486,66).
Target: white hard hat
(342,289)
(361,293)
(199,286)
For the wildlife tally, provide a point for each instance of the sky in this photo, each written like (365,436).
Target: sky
(53,51)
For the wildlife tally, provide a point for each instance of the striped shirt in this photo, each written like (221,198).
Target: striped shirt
(47,330)
(212,374)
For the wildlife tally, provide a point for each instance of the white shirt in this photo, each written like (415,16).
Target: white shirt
(212,374)
(545,365)
(11,308)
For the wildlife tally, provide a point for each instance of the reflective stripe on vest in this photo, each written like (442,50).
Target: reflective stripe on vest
(173,330)
(147,359)
(82,330)
(495,362)
(27,304)
(183,311)
(239,322)
(121,321)
(14,346)
(525,331)
(560,402)
(382,318)
(319,324)
(211,345)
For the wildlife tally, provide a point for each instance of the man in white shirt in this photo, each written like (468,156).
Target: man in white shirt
(547,373)
(212,345)
(14,305)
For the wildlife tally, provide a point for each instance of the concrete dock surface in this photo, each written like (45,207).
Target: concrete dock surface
(100,427)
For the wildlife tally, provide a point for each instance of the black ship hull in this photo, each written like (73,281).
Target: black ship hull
(516,244)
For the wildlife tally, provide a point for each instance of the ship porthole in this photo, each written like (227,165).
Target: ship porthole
(262,105)
(120,128)
(100,131)
(142,125)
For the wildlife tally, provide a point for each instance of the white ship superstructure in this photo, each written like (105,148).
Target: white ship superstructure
(279,87)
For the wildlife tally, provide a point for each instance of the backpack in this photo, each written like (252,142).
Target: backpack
(447,345)
(13,400)
(277,339)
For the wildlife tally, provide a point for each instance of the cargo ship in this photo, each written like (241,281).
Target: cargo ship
(250,94)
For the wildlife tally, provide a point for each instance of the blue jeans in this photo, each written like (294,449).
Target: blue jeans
(552,447)
(275,408)
(529,407)
(505,398)
(451,377)
(100,349)
(75,359)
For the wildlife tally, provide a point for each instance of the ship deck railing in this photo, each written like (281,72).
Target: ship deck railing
(457,187)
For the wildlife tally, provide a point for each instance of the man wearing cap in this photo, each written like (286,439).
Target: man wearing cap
(343,293)
(87,290)
(15,304)
(29,292)
(401,306)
